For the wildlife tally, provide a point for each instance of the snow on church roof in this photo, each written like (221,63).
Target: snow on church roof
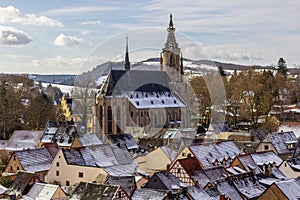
(145,100)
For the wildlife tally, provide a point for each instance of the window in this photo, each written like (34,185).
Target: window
(11,168)
(109,120)
(57,173)
(183,154)
(179,170)
(285,164)
(57,164)
(67,183)
(14,157)
(266,147)
(18,168)
(80,174)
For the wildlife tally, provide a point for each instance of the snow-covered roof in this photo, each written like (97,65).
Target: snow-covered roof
(267,157)
(125,141)
(62,134)
(89,140)
(149,194)
(209,154)
(146,100)
(290,188)
(35,160)
(112,159)
(280,139)
(42,191)
(249,187)
(23,139)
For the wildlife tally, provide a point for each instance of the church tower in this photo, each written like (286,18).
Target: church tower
(171,56)
(126,61)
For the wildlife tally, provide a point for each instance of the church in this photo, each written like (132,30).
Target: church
(143,99)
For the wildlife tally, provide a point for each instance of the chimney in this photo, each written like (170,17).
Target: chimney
(197,185)
(222,197)
(168,167)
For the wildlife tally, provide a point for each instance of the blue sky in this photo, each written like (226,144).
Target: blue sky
(73,36)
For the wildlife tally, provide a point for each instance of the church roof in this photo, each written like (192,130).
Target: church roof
(137,80)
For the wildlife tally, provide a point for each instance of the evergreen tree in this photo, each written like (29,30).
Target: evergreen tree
(221,71)
(281,67)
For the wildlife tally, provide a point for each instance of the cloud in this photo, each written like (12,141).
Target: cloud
(81,9)
(14,37)
(63,40)
(96,22)
(85,32)
(36,63)
(11,14)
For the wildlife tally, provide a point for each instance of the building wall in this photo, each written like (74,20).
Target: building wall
(70,172)
(13,165)
(154,161)
(265,146)
(272,193)
(130,116)
(59,194)
(288,171)
(184,154)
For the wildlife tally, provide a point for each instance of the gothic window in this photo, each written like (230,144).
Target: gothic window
(118,119)
(109,120)
(101,116)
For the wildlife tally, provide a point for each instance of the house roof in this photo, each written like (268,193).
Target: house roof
(266,157)
(211,155)
(280,141)
(125,141)
(126,182)
(86,191)
(199,193)
(89,139)
(35,160)
(249,187)
(248,163)
(2,189)
(23,139)
(290,188)
(62,134)
(225,188)
(112,159)
(190,165)
(149,194)
(168,180)
(42,191)
(21,183)
(149,144)
(294,163)
(52,148)
(201,178)
(215,173)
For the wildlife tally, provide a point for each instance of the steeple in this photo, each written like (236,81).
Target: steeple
(171,51)
(171,23)
(126,61)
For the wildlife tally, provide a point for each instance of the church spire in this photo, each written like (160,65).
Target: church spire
(171,27)
(126,62)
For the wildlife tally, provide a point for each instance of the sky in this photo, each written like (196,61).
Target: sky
(68,37)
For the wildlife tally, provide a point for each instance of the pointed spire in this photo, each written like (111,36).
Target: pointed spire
(171,26)
(126,62)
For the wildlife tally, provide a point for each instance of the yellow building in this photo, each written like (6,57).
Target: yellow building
(66,107)
(154,161)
